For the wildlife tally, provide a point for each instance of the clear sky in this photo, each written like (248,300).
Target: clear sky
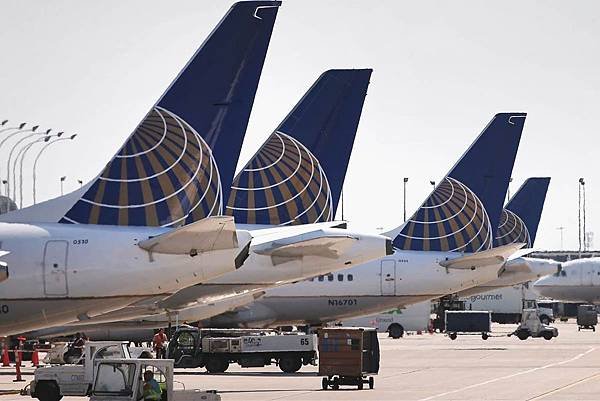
(442,69)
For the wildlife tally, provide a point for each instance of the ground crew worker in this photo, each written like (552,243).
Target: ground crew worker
(158,342)
(152,390)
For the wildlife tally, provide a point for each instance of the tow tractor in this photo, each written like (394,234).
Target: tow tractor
(532,327)
(214,349)
(123,380)
(51,383)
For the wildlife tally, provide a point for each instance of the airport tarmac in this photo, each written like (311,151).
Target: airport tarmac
(426,367)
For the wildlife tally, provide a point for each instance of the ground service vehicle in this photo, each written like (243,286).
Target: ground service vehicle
(468,322)
(532,327)
(51,383)
(214,349)
(395,322)
(587,317)
(122,380)
(347,355)
(507,304)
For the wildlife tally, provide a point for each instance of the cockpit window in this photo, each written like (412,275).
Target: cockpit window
(563,273)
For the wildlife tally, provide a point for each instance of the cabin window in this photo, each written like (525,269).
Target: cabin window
(330,277)
(563,273)
(321,278)
(341,277)
(350,277)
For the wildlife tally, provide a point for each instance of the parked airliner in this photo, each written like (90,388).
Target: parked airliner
(578,281)
(444,248)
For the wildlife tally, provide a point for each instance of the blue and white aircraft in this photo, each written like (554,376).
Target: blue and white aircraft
(149,224)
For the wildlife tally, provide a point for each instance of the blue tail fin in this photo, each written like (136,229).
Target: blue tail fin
(296,177)
(466,204)
(178,165)
(521,216)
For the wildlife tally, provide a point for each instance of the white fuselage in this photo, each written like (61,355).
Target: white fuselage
(402,279)
(59,273)
(259,272)
(579,281)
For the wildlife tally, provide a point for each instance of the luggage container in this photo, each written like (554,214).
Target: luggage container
(348,356)
(468,322)
(587,317)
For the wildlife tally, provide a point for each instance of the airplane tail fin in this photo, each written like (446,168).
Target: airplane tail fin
(465,206)
(178,164)
(296,176)
(521,216)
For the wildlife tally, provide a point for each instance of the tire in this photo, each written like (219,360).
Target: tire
(324,383)
(485,336)
(47,391)
(360,385)
(453,336)
(336,384)
(146,355)
(523,335)
(371,382)
(396,331)
(290,364)
(216,365)
(547,335)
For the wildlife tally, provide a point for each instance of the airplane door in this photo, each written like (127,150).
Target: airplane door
(595,275)
(588,275)
(55,268)
(388,277)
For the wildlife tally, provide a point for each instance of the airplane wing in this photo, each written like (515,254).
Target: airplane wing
(3,267)
(498,255)
(210,234)
(297,247)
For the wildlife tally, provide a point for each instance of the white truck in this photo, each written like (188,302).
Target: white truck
(395,322)
(51,383)
(215,349)
(507,304)
(124,380)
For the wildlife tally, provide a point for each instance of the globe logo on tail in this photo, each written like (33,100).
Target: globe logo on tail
(283,184)
(164,175)
(511,230)
(451,219)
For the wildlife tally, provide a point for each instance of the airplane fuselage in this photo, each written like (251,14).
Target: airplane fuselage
(62,272)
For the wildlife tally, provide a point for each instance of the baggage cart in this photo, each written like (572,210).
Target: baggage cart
(348,356)
(468,322)
(587,317)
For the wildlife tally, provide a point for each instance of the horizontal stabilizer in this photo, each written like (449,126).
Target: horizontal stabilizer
(4,253)
(210,234)
(521,252)
(330,246)
(489,257)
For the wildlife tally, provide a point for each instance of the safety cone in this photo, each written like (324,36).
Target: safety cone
(5,357)
(35,358)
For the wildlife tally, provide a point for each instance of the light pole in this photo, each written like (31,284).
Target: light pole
(80,182)
(508,191)
(23,153)
(33,133)
(40,153)
(62,180)
(404,194)
(19,129)
(585,248)
(581,184)
(432,184)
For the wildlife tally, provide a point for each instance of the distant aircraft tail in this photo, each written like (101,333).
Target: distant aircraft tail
(465,206)
(296,177)
(178,165)
(521,216)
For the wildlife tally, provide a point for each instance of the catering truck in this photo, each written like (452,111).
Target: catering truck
(215,349)
(507,304)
